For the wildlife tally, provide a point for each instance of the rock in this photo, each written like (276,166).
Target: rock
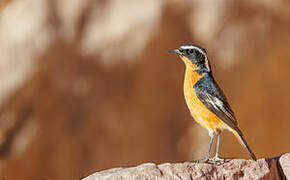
(233,169)
(285,165)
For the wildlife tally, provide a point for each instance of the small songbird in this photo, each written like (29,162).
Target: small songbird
(205,99)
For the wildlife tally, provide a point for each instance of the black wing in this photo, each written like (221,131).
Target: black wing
(210,94)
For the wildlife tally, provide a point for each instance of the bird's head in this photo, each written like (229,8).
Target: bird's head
(194,57)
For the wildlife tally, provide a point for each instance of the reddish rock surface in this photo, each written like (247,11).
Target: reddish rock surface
(271,169)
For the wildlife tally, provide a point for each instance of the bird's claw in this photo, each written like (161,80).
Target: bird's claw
(215,160)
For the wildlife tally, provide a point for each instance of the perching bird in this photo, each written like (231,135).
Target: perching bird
(205,99)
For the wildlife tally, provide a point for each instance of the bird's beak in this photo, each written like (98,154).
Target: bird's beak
(174,51)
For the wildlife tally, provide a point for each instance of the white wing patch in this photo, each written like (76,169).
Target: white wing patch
(218,104)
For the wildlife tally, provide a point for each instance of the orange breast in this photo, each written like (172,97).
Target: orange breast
(199,112)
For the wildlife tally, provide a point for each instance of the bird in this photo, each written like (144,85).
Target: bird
(206,101)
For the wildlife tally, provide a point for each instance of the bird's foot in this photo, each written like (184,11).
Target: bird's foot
(217,160)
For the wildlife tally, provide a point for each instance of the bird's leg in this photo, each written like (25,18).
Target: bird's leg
(217,147)
(209,149)
(216,158)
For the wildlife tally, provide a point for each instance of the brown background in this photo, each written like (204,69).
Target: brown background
(89,85)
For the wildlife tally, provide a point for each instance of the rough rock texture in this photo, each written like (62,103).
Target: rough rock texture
(275,168)
(284,163)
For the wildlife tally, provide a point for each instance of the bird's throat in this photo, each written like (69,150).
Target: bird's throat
(191,77)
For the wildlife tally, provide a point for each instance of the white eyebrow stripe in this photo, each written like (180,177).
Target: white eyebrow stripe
(201,51)
(192,47)
(187,46)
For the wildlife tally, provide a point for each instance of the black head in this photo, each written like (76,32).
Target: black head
(194,56)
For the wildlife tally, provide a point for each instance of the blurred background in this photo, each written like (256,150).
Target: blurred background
(87,85)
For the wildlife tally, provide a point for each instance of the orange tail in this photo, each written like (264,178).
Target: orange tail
(238,133)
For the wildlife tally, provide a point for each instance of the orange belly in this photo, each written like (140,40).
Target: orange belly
(199,112)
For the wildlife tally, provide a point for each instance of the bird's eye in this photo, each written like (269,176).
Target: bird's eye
(189,51)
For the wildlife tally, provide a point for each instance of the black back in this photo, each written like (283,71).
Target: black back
(211,95)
